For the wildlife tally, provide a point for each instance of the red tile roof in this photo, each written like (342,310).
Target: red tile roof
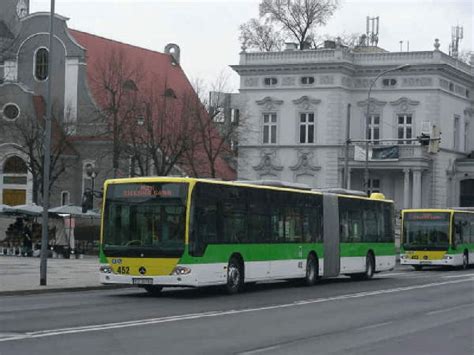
(156,65)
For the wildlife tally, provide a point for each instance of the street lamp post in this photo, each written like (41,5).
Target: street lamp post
(366,170)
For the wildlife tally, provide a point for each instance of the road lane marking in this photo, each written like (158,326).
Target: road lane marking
(449,309)
(375,325)
(456,276)
(193,316)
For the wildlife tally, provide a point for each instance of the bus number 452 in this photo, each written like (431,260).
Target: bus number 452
(123,270)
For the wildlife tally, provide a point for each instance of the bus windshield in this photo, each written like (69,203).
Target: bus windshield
(426,231)
(145,219)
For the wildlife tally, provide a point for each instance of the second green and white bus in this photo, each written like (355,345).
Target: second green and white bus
(159,232)
(437,237)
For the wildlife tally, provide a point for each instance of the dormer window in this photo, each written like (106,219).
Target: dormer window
(389,82)
(270,81)
(41,64)
(307,80)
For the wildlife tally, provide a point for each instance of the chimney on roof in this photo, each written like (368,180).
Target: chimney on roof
(173,50)
(290,46)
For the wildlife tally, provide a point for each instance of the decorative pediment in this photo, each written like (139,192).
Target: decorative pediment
(269,103)
(404,104)
(376,106)
(268,164)
(304,165)
(306,102)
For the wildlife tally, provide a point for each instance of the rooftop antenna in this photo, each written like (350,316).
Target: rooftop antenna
(372,31)
(401,46)
(456,36)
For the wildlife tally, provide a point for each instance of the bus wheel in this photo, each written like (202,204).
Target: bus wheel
(153,290)
(417,267)
(235,276)
(465,260)
(369,269)
(311,270)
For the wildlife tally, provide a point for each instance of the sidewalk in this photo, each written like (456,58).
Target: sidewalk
(22,274)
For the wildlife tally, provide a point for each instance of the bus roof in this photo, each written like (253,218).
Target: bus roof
(265,184)
(439,210)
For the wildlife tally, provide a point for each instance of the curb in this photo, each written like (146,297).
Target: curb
(60,290)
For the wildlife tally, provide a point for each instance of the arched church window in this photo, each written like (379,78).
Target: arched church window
(15,165)
(41,64)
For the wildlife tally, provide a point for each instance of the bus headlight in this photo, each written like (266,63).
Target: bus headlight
(403,256)
(181,270)
(106,269)
(448,257)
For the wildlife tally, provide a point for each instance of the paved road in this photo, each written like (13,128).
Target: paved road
(429,312)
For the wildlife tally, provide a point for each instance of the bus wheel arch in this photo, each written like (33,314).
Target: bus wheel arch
(235,274)
(312,269)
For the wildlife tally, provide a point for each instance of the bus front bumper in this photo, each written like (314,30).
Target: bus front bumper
(194,279)
(447,260)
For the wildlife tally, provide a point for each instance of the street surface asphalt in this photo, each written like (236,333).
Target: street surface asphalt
(399,312)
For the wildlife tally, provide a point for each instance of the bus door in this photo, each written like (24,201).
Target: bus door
(331,235)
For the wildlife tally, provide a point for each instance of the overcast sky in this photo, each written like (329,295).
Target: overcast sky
(207,31)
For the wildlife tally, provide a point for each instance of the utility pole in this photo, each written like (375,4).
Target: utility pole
(47,157)
(346,153)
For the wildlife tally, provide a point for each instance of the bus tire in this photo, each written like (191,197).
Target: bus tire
(418,267)
(311,270)
(235,276)
(465,260)
(153,290)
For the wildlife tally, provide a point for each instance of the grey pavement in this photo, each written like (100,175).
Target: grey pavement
(22,274)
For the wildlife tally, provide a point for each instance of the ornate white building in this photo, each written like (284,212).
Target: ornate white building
(297,101)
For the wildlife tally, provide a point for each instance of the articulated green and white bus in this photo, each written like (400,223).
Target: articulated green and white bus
(437,237)
(159,232)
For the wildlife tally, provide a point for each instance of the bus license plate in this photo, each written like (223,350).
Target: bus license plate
(141,281)
(426,262)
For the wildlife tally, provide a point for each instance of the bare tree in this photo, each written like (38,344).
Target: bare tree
(298,18)
(162,133)
(28,133)
(116,86)
(213,129)
(261,35)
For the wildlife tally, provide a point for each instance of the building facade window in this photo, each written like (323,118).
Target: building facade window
(307,80)
(14,181)
(307,128)
(234,115)
(456,133)
(41,64)
(10,111)
(65,198)
(270,81)
(389,82)
(374,186)
(373,128)
(269,128)
(405,128)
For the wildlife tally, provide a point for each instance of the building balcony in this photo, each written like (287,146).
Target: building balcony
(402,156)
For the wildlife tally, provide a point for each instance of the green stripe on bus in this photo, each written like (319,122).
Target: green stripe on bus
(220,253)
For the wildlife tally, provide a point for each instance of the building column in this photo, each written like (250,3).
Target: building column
(406,188)
(416,188)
